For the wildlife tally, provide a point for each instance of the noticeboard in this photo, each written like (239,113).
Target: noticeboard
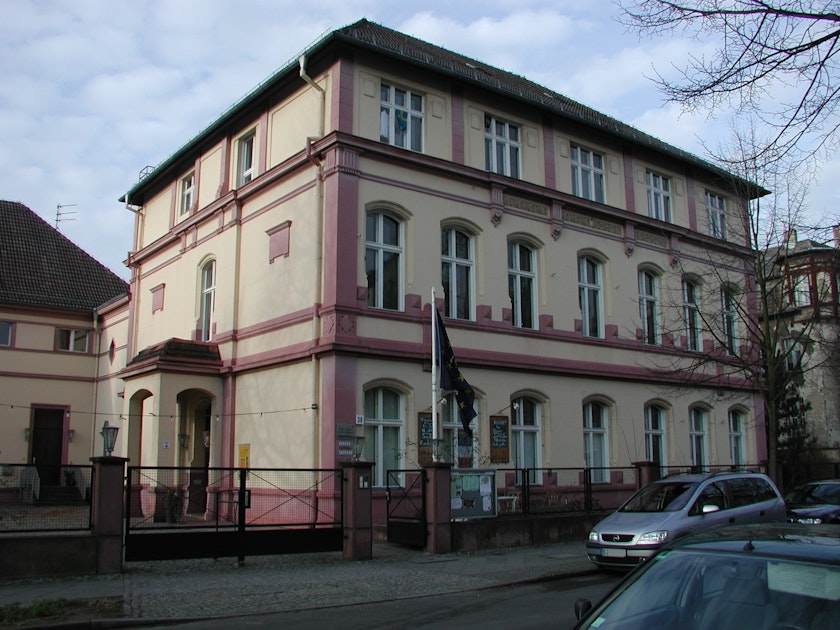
(424,438)
(473,493)
(499,439)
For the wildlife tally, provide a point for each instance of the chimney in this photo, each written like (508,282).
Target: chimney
(790,238)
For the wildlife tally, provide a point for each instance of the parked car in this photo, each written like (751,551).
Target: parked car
(814,503)
(678,505)
(772,576)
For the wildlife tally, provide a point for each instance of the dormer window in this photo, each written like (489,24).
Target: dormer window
(401,117)
(186,193)
(245,159)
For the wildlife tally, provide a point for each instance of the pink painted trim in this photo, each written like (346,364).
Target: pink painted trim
(548,154)
(629,183)
(458,152)
(342,95)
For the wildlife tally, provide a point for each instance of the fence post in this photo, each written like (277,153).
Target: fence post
(107,512)
(646,472)
(438,507)
(587,489)
(357,510)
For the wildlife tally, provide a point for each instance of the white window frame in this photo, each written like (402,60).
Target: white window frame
(460,449)
(382,257)
(376,428)
(526,436)
(73,340)
(588,175)
(186,193)
(522,284)
(655,417)
(591,290)
(502,146)
(405,109)
(456,271)
(595,439)
(691,315)
(729,316)
(658,196)
(5,334)
(649,306)
(716,212)
(245,158)
(736,437)
(207,300)
(802,290)
(697,436)
(792,354)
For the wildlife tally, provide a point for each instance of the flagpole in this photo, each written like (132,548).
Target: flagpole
(434,377)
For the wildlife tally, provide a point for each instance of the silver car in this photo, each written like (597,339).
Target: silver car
(678,505)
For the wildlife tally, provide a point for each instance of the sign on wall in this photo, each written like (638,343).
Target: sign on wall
(424,438)
(472,493)
(499,439)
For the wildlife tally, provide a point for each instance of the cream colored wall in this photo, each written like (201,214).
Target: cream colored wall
(210,176)
(156,216)
(296,119)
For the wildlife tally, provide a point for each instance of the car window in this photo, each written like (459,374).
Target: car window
(660,497)
(712,494)
(815,494)
(763,490)
(741,491)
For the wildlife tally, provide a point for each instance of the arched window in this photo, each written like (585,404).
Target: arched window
(525,435)
(649,306)
(207,301)
(691,314)
(590,297)
(384,415)
(522,284)
(458,444)
(595,453)
(457,272)
(384,260)
(729,318)
(697,436)
(655,435)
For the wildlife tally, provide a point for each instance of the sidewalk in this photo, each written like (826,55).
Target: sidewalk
(191,589)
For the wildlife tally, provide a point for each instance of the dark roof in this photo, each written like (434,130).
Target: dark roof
(40,267)
(385,41)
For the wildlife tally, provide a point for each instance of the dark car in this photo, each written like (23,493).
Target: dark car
(814,503)
(748,577)
(678,505)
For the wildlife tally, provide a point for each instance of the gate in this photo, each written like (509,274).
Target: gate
(241,512)
(406,506)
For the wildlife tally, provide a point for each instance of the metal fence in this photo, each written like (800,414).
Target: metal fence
(45,498)
(227,498)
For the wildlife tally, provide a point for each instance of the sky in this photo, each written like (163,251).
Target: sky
(96,90)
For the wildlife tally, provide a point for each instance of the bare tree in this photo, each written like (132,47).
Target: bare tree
(776,59)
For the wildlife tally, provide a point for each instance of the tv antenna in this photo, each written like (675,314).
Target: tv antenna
(60,213)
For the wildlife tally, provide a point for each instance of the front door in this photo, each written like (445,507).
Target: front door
(46,445)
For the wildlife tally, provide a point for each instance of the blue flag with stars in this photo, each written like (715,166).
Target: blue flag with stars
(451,378)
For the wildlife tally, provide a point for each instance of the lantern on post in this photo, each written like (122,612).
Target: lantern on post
(109,438)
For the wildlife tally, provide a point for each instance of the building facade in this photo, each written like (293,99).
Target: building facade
(284,259)
(63,320)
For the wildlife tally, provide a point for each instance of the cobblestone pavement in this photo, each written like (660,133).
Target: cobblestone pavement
(181,589)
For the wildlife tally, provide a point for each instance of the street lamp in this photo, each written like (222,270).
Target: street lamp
(109,438)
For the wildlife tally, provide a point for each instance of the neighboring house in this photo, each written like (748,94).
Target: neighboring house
(61,337)
(284,258)
(806,292)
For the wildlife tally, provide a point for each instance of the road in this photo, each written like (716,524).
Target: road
(529,606)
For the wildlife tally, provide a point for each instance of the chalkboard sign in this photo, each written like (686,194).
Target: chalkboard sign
(424,438)
(499,439)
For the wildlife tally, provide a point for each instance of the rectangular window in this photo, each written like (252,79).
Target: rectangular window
(697,435)
(72,340)
(792,354)
(245,159)
(400,117)
(730,336)
(521,284)
(501,146)
(659,196)
(587,174)
(801,291)
(655,435)
(716,210)
(457,269)
(187,188)
(736,437)
(589,297)
(383,261)
(5,334)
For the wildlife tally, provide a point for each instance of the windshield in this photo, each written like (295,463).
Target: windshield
(815,494)
(697,590)
(660,497)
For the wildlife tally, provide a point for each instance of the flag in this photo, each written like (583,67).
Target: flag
(451,378)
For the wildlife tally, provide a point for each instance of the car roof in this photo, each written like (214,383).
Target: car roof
(698,477)
(780,540)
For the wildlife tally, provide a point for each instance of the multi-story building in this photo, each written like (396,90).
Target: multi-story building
(63,322)
(284,260)
(804,286)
